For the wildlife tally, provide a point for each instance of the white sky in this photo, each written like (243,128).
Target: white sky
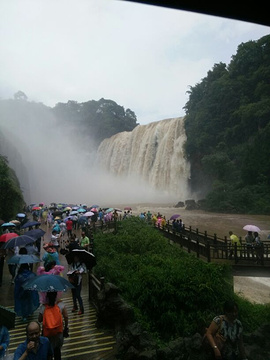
(143,57)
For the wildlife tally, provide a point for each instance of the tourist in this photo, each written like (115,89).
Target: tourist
(4,340)
(35,347)
(69,225)
(78,268)
(84,241)
(57,339)
(25,301)
(258,248)
(225,334)
(50,254)
(234,241)
(249,243)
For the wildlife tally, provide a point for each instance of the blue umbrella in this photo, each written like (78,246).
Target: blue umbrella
(21,215)
(94,206)
(21,240)
(24,259)
(47,283)
(82,220)
(30,223)
(35,233)
(81,210)
(74,213)
(8,224)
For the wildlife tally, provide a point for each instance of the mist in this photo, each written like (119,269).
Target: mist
(56,162)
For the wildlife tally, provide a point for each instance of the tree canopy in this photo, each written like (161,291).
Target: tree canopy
(99,119)
(227,127)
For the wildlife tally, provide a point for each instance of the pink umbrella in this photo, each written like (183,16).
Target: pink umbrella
(252,228)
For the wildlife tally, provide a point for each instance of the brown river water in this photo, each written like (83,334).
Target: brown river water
(213,223)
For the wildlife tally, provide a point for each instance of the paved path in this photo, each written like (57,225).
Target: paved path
(86,341)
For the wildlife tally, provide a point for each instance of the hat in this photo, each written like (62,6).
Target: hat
(49,248)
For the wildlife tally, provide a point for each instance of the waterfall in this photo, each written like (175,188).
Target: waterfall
(150,153)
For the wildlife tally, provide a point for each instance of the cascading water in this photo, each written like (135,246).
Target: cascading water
(153,153)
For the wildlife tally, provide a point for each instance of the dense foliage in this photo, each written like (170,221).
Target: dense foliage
(228,129)
(11,198)
(173,293)
(99,119)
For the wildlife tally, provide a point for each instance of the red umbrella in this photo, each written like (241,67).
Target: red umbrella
(36,208)
(8,236)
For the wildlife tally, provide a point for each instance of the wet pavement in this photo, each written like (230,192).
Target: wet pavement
(85,341)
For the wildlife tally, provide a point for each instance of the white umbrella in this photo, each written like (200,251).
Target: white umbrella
(252,228)
(88,213)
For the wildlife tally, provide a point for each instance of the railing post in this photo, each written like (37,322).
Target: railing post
(226,243)
(208,251)
(198,248)
(235,254)
(189,243)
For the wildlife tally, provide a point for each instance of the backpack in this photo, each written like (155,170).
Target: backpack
(52,321)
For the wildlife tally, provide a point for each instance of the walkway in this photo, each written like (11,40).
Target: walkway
(85,341)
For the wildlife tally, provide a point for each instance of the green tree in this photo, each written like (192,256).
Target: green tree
(227,127)
(11,198)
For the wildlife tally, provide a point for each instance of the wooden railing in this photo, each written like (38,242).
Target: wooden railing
(213,248)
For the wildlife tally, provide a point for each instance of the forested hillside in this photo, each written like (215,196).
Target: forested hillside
(11,198)
(228,131)
(99,119)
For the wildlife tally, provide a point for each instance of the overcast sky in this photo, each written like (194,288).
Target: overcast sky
(143,57)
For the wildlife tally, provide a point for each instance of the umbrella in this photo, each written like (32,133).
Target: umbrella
(127,208)
(81,210)
(252,228)
(85,256)
(68,208)
(73,213)
(21,240)
(30,223)
(36,208)
(21,215)
(8,224)
(175,216)
(35,233)
(94,206)
(93,209)
(8,236)
(116,209)
(75,207)
(109,210)
(47,283)
(82,220)
(88,213)
(7,317)
(57,213)
(24,259)
(16,222)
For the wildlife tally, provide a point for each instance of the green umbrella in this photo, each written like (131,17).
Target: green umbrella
(7,317)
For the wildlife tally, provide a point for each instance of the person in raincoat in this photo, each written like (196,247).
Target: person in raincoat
(25,301)
(50,269)
(4,340)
